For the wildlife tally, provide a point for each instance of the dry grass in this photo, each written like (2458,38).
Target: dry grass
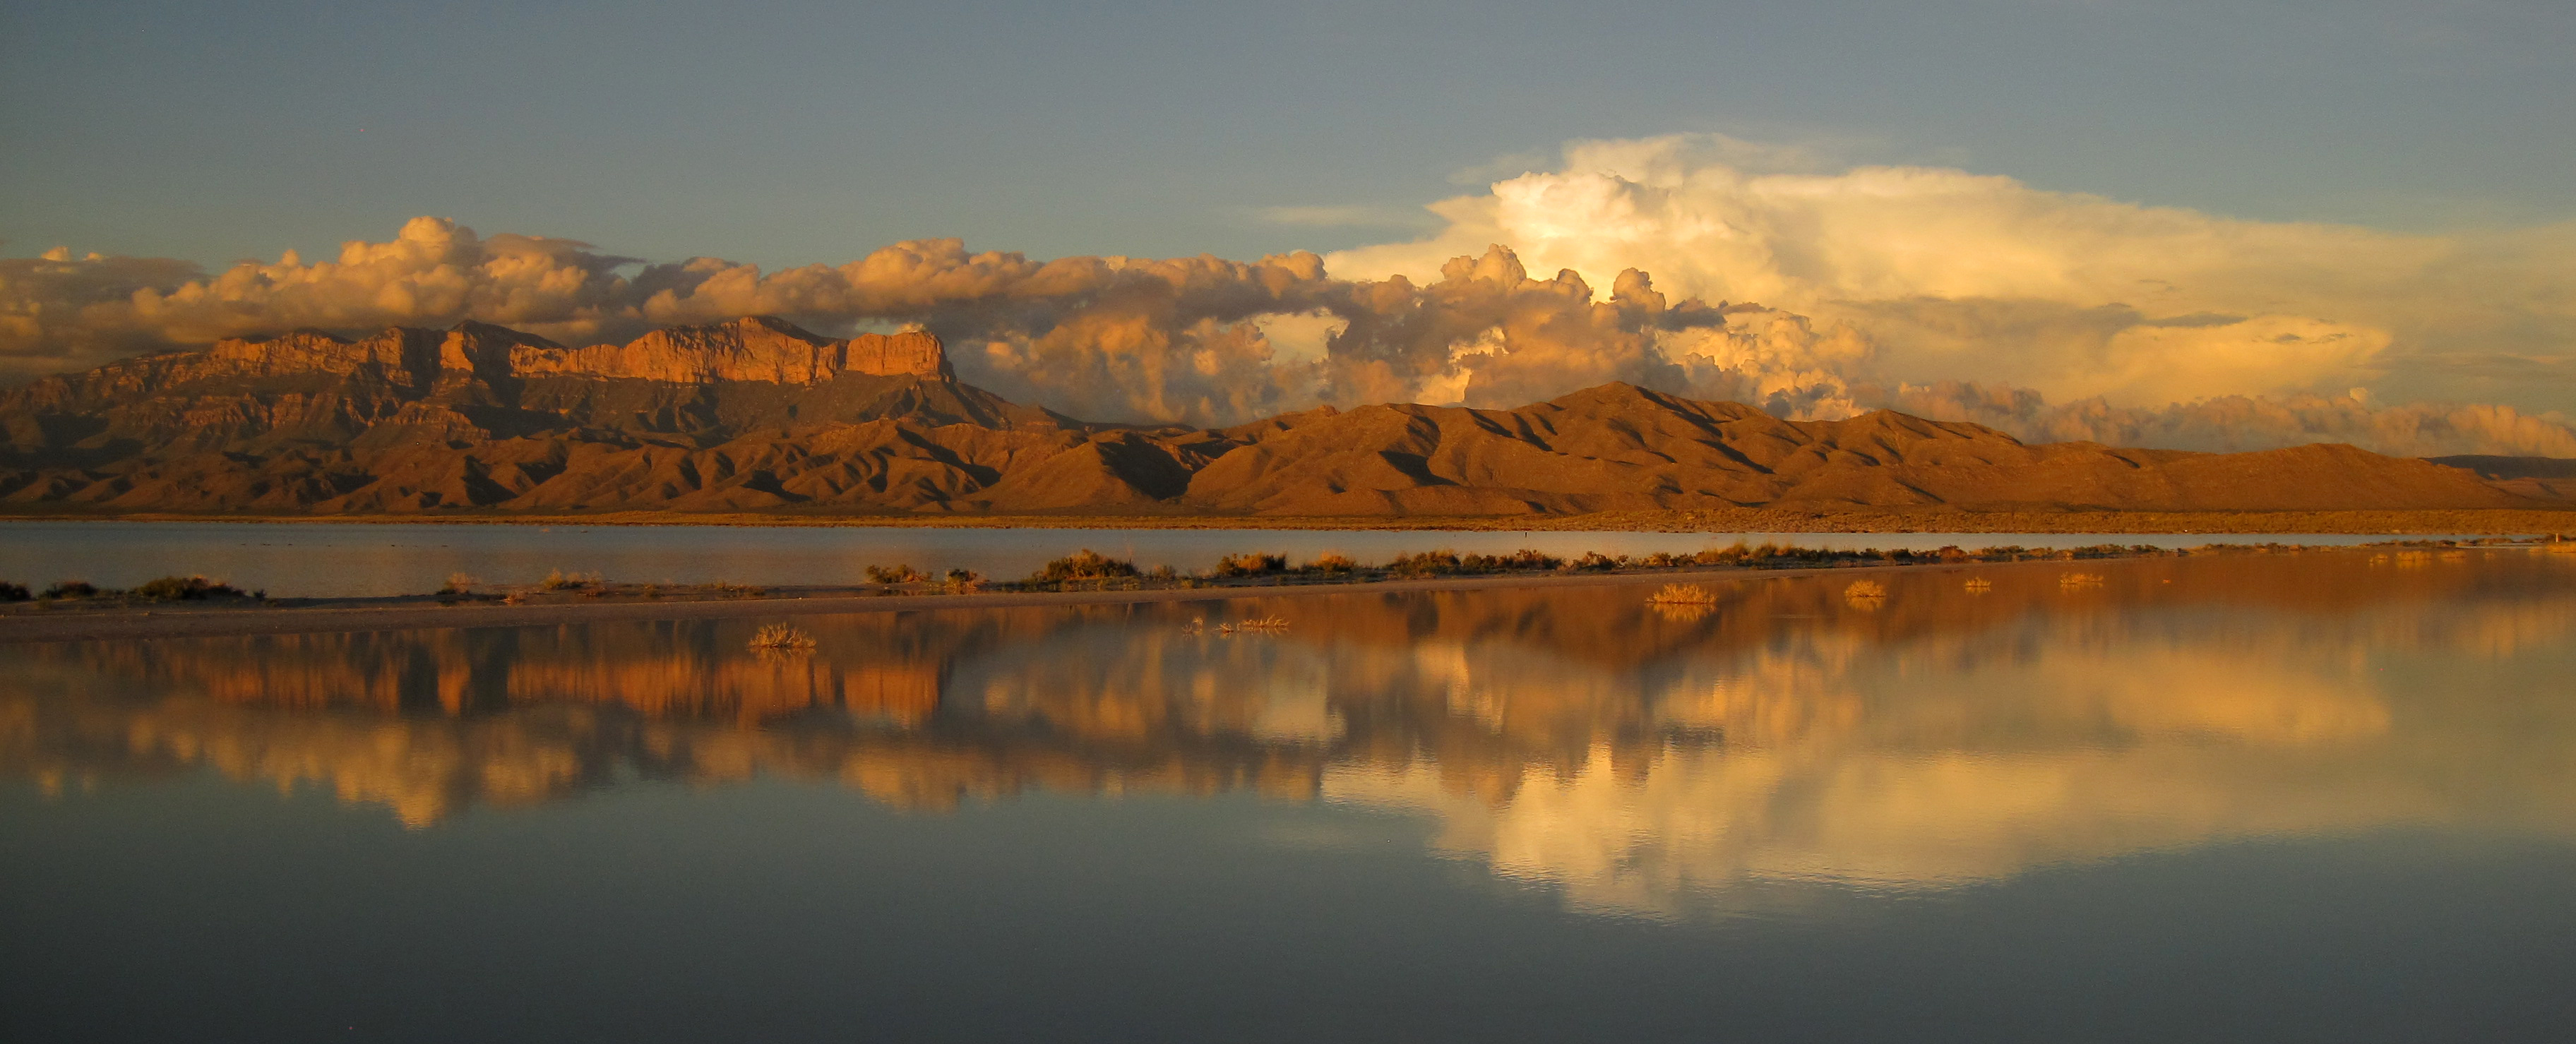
(558,580)
(1258,624)
(1979,585)
(2075,580)
(781,638)
(1682,594)
(1865,589)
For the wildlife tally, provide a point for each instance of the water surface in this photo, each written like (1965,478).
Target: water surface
(2324,796)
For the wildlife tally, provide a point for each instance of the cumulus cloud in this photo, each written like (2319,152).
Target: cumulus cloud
(1775,280)
(1956,275)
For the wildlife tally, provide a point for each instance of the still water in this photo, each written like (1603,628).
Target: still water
(349,560)
(2326,796)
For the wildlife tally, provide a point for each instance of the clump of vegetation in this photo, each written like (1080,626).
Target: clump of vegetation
(185,588)
(2074,580)
(71,589)
(1596,562)
(1085,564)
(1865,589)
(558,580)
(963,580)
(895,574)
(1979,585)
(1331,563)
(1683,594)
(1250,564)
(458,584)
(10,592)
(1445,562)
(781,638)
(1261,624)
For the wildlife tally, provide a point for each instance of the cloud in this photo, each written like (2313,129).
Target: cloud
(1957,275)
(1696,264)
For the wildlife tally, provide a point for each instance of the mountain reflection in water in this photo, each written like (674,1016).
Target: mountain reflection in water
(1643,760)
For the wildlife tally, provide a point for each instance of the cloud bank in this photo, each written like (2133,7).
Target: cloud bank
(1811,292)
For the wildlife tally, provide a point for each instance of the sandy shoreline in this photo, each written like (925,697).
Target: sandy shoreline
(172,622)
(2484,522)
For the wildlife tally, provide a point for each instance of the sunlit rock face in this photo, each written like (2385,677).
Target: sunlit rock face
(1642,762)
(755,414)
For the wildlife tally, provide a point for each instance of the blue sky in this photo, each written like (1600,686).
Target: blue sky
(793,132)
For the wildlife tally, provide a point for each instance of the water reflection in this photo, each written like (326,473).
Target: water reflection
(1645,761)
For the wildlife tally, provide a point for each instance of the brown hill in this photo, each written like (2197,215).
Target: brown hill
(756,414)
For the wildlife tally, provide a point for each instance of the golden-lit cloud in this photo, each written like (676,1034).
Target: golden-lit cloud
(1694,264)
(1956,275)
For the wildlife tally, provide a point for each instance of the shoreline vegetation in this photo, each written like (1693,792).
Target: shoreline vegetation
(196,605)
(2464,522)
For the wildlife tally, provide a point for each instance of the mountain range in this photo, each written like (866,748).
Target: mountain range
(757,415)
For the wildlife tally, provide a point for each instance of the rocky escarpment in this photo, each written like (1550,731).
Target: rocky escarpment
(756,414)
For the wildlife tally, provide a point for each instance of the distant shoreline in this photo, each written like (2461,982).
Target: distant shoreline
(416,612)
(228,621)
(2472,522)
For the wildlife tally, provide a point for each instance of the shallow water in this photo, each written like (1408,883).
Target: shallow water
(2323,796)
(347,560)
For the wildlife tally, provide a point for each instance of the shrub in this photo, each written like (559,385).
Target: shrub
(1734,554)
(10,592)
(558,580)
(1861,590)
(1524,558)
(1331,562)
(964,579)
(781,638)
(1251,564)
(457,584)
(185,588)
(72,589)
(1425,563)
(1683,594)
(896,574)
(1595,561)
(1085,564)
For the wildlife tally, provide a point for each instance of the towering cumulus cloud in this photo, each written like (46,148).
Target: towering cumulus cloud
(1812,294)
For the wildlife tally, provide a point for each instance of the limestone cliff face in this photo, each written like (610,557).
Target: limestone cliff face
(753,348)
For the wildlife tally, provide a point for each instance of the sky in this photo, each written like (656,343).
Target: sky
(2403,169)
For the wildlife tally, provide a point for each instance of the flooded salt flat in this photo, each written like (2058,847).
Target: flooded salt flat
(2295,796)
(341,560)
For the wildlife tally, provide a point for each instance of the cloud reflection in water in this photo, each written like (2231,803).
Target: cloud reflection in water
(1643,762)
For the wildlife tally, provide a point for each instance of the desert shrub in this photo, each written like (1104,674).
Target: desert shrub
(558,580)
(1424,563)
(1085,564)
(1865,589)
(185,588)
(1595,561)
(1331,562)
(1523,559)
(1734,554)
(964,579)
(457,584)
(72,589)
(1683,594)
(1253,563)
(10,592)
(781,638)
(895,574)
